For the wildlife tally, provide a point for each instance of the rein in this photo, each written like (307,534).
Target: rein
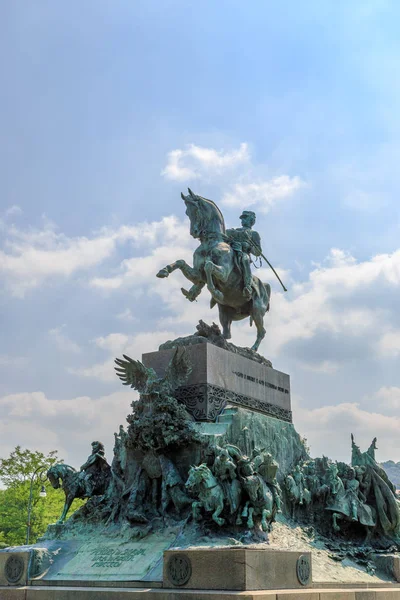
(213,486)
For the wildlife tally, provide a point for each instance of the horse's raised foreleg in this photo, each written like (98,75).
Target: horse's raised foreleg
(194,291)
(190,273)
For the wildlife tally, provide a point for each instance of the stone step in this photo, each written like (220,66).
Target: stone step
(112,590)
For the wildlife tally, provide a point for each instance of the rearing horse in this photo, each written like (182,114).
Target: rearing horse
(215,264)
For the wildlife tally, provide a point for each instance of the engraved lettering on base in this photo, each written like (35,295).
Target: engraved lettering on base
(303,569)
(14,568)
(179,569)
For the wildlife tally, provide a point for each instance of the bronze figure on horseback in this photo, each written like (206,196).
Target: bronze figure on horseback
(222,262)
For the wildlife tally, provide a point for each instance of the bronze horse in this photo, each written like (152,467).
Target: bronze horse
(202,482)
(215,264)
(73,485)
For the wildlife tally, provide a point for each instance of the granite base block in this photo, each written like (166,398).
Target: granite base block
(236,569)
(220,377)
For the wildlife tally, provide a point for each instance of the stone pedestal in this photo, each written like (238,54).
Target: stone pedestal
(236,569)
(14,568)
(389,564)
(220,377)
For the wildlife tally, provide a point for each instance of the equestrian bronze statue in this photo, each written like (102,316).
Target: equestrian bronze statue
(222,262)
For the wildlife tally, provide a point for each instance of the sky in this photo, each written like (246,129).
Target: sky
(108,111)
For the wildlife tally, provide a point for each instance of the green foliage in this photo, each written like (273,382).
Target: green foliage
(22,463)
(16,473)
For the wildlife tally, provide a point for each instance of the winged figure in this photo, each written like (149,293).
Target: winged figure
(146,381)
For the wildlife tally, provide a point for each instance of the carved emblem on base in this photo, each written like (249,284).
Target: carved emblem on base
(179,569)
(303,569)
(14,569)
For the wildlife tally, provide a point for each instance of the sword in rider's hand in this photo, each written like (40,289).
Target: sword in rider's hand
(259,253)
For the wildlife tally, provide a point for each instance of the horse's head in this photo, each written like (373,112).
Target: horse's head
(57,472)
(197,476)
(252,485)
(204,215)
(53,475)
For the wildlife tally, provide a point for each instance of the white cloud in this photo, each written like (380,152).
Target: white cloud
(113,342)
(336,298)
(101,371)
(62,341)
(388,398)
(127,316)
(31,257)
(116,344)
(328,429)
(196,161)
(168,239)
(35,421)
(389,344)
(263,194)
(325,366)
(13,210)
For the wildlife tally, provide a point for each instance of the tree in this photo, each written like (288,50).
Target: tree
(16,473)
(22,463)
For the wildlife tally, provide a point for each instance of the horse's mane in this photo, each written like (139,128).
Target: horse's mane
(62,468)
(217,209)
